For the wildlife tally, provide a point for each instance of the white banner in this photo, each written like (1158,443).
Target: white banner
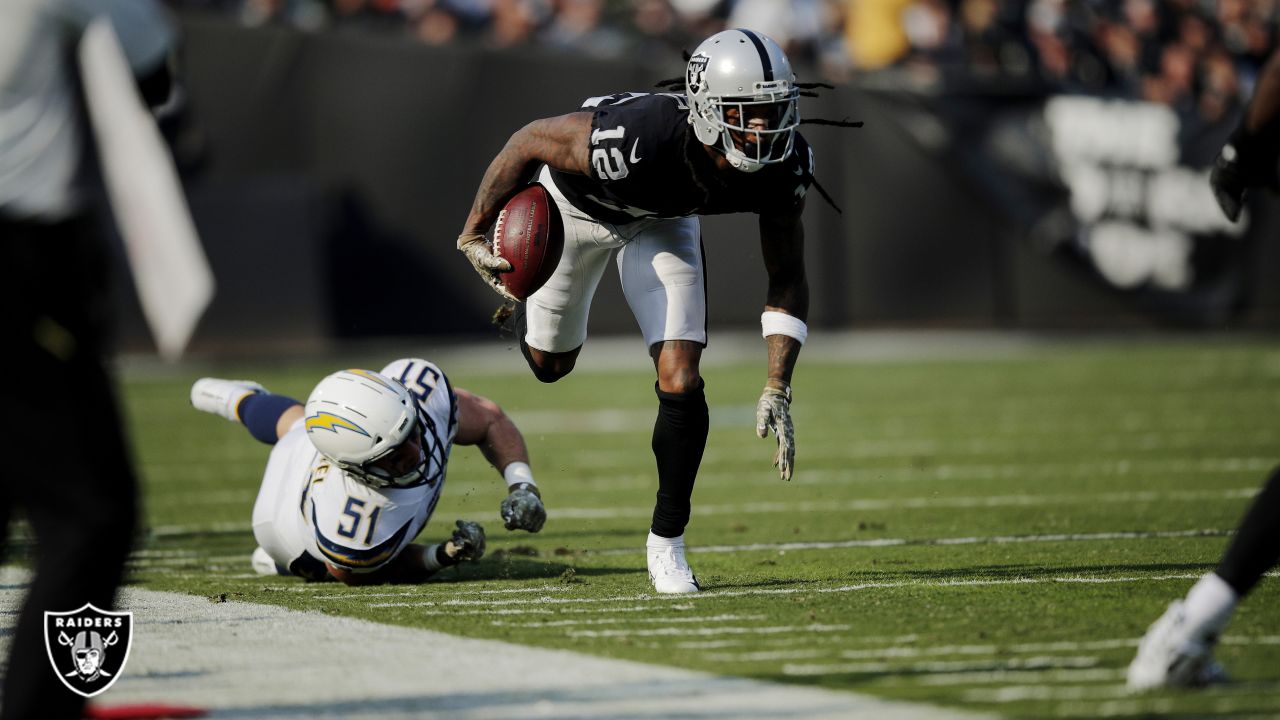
(169,267)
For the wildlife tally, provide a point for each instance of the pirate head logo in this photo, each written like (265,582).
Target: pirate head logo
(88,647)
(696,73)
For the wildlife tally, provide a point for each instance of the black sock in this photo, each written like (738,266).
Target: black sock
(679,437)
(1256,548)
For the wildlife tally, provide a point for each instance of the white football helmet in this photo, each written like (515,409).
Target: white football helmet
(359,417)
(745,75)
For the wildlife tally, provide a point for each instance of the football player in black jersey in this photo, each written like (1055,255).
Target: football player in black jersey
(1177,650)
(632,172)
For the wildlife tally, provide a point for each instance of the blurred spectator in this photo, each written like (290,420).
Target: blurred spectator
(1199,56)
(515,22)
(576,25)
(875,32)
(793,24)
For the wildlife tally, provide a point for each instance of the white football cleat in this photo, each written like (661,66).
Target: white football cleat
(1174,654)
(264,565)
(222,397)
(669,571)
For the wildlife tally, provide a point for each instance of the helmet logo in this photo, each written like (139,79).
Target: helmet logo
(328,421)
(696,75)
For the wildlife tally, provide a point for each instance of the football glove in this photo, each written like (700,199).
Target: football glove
(522,509)
(1245,162)
(467,542)
(486,262)
(773,412)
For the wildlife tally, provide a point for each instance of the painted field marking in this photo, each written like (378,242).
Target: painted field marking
(717,594)
(860,639)
(1021,693)
(412,593)
(1063,675)
(939,666)
(908,503)
(976,540)
(730,630)
(919,503)
(611,621)
(899,651)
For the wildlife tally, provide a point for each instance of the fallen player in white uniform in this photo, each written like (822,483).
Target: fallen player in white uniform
(355,474)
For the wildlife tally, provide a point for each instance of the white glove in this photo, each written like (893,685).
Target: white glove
(523,510)
(773,412)
(486,262)
(467,542)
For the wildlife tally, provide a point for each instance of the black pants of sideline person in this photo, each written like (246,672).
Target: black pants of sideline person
(65,461)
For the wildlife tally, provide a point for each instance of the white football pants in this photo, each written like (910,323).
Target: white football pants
(659,262)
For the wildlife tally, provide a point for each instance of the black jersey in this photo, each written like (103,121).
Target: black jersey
(647,162)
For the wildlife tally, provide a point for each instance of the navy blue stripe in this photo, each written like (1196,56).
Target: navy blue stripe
(765,63)
(350,557)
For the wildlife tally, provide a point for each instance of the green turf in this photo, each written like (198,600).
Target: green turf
(957,466)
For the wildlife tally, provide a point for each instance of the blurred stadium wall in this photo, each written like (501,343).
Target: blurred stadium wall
(329,174)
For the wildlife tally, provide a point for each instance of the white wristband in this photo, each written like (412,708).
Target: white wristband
(516,473)
(778,323)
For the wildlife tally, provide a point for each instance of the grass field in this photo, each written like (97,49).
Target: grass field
(984,533)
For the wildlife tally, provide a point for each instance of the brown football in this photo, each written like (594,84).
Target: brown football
(530,236)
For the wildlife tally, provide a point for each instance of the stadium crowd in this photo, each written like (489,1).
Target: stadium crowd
(1201,57)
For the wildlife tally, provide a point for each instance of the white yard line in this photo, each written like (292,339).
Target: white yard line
(713,594)
(900,651)
(709,631)
(1065,675)
(242,660)
(919,503)
(611,621)
(805,506)
(938,666)
(976,540)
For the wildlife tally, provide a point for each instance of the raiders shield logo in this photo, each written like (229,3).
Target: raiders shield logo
(88,647)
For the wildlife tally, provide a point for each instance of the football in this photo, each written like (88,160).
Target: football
(530,236)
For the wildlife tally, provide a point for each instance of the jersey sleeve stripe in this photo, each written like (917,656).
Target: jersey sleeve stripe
(354,559)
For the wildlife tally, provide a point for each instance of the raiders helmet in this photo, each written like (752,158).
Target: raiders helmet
(358,417)
(745,74)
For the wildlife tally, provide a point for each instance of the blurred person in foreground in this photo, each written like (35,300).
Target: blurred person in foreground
(79,493)
(1177,650)
(632,172)
(355,474)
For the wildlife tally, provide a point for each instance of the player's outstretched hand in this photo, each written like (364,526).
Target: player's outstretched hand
(485,261)
(773,412)
(522,509)
(467,542)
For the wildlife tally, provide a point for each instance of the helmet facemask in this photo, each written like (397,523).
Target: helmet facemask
(756,130)
(398,466)
(369,425)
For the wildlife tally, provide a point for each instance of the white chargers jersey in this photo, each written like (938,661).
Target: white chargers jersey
(310,512)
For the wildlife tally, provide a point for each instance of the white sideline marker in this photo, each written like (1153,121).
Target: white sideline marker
(249,660)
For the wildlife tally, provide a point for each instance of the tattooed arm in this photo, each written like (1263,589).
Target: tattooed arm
(786,307)
(560,142)
(782,246)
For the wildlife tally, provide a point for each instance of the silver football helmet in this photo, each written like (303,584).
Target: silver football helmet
(358,419)
(743,98)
